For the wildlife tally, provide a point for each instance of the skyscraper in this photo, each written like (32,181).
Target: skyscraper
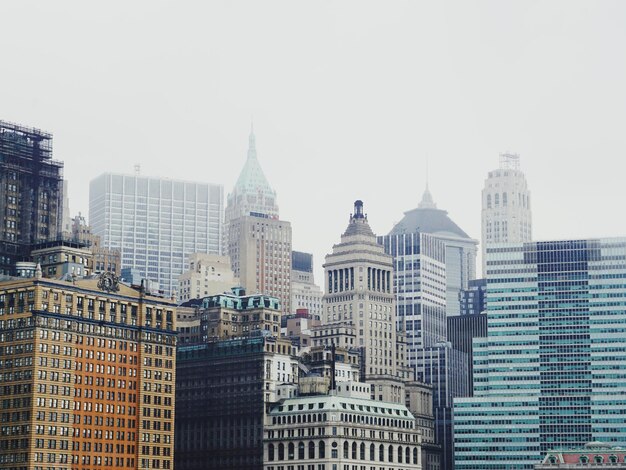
(359,294)
(506,213)
(258,243)
(550,372)
(156,222)
(32,192)
(461,250)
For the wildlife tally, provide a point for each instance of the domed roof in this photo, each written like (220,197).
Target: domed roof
(426,218)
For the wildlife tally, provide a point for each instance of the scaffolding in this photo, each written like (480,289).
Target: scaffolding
(31,192)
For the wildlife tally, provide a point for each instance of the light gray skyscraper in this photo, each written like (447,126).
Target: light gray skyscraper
(460,248)
(258,243)
(156,222)
(506,213)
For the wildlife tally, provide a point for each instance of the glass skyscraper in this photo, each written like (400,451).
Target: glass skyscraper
(156,222)
(550,372)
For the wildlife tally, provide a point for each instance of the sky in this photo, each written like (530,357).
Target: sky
(350,100)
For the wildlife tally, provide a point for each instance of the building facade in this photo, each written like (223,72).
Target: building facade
(31,193)
(304,292)
(460,249)
(359,277)
(462,329)
(87,372)
(104,259)
(205,274)
(257,241)
(506,211)
(344,430)
(260,254)
(156,223)
(473,300)
(549,373)
(596,455)
(224,392)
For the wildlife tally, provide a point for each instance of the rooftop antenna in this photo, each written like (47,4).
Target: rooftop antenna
(137,169)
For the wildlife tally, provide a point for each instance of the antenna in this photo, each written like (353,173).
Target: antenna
(137,169)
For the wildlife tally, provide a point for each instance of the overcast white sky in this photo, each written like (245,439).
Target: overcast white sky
(349,101)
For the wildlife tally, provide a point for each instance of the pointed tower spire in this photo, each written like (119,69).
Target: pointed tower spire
(427,200)
(251,142)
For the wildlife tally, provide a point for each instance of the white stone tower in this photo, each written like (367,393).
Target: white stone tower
(506,212)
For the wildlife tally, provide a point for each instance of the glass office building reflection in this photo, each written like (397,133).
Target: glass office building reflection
(550,373)
(156,222)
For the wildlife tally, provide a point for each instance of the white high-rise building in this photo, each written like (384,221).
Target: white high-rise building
(156,222)
(506,213)
(205,275)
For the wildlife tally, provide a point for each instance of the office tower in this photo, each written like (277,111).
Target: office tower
(32,192)
(420,262)
(223,394)
(304,292)
(462,329)
(86,375)
(461,250)
(550,373)
(359,295)
(506,213)
(205,274)
(156,222)
(473,299)
(258,243)
(344,430)
(260,254)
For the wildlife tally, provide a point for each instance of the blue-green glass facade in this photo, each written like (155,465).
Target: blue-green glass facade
(552,370)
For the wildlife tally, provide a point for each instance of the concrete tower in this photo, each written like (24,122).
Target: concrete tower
(461,249)
(506,213)
(258,243)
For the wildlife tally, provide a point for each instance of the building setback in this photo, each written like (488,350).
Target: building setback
(31,193)
(87,372)
(156,222)
(550,372)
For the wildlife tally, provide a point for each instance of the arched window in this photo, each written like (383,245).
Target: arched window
(399,454)
(552,459)
(321,454)
(270,452)
(584,459)
(346,450)
(292,451)
(598,459)
(381,453)
(354,451)
(496,199)
(504,199)
(488,201)
(407,455)
(301,451)
(613,459)
(390,452)
(362,452)
(311,449)
(372,452)
(415,455)
(281,451)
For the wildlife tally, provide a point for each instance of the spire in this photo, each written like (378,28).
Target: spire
(251,143)
(427,200)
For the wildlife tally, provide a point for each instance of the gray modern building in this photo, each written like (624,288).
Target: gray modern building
(551,371)
(461,249)
(473,299)
(156,222)
(462,329)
